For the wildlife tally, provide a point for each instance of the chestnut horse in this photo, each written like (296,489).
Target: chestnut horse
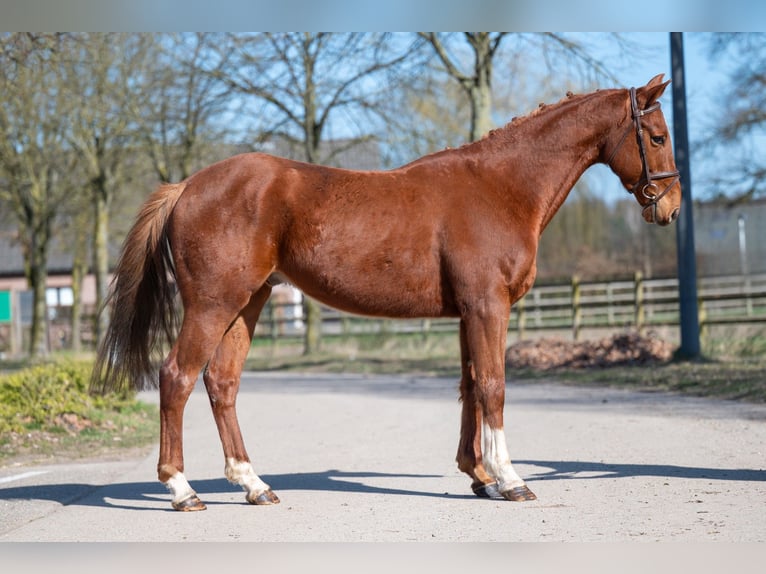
(452,234)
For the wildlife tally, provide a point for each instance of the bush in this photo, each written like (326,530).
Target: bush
(41,396)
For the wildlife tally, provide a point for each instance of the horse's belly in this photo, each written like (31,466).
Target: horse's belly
(378,258)
(377,290)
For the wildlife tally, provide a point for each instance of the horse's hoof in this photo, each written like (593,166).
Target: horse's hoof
(190,504)
(486,490)
(263,498)
(519,494)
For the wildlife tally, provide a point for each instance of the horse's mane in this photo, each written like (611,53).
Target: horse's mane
(517,122)
(544,108)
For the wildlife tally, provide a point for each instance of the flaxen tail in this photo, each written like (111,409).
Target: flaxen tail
(141,300)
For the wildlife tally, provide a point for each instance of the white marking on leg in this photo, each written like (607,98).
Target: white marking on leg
(180,487)
(496,459)
(242,473)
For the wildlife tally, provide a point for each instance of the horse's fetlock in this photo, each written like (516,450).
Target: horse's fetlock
(166,471)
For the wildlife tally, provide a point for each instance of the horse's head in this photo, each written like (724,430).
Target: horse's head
(644,163)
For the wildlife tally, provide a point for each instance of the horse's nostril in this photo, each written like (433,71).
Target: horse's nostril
(674,215)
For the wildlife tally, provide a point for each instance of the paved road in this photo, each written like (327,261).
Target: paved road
(368,458)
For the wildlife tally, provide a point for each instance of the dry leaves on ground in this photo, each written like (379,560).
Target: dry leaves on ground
(621,349)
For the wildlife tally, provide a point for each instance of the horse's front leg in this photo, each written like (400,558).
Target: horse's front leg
(222,379)
(469,455)
(483,334)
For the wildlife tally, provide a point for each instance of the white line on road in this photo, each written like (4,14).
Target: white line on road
(22,476)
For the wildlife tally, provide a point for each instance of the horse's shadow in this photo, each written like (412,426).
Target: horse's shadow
(583,470)
(120,495)
(136,495)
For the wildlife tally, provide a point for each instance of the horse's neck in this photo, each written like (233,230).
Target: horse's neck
(552,148)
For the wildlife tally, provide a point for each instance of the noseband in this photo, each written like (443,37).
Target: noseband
(649,189)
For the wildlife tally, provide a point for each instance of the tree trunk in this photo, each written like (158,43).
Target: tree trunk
(481,110)
(76,320)
(480,88)
(37,277)
(79,269)
(313,337)
(478,82)
(101,259)
(312,134)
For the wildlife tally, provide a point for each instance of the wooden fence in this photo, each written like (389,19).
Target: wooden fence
(575,306)
(638,303)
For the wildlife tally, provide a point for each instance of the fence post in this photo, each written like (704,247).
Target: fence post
(273,324)
(538,311)
(576,309)
(702,317)
(610,304)
(638,301)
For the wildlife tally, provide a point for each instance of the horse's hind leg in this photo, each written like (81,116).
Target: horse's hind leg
(207,317)
(222,378)
(199,336)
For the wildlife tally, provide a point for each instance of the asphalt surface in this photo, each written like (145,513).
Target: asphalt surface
(371,458)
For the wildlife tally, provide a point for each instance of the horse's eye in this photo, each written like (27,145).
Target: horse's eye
(659,140)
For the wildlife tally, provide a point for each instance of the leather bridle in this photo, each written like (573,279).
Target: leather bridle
(649,189)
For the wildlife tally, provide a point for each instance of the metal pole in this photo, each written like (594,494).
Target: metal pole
(687,265)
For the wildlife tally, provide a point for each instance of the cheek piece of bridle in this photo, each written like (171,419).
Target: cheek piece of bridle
(649,189)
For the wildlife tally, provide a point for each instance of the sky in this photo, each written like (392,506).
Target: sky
(701,73)
(373,15)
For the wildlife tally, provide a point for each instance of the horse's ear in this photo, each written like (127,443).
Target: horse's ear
(652,91)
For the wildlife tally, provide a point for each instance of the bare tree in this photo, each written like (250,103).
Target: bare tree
(33,112)
(311,85)
(471,63)
(178,97)
(476,78)
(99,70)
(431,113)
(740,124)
